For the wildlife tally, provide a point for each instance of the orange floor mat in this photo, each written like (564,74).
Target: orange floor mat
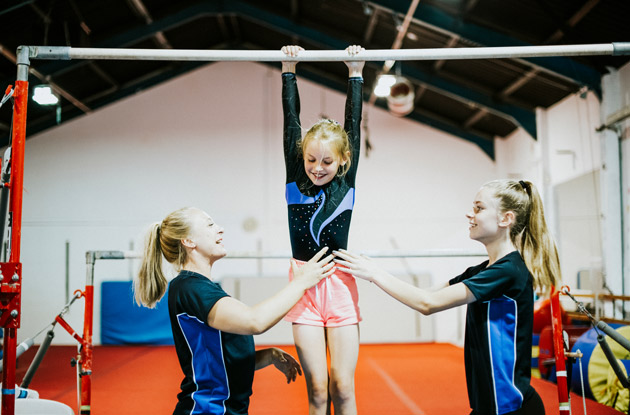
(401,379)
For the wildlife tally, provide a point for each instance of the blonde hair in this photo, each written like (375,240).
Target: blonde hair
(332,133)
(163,240)
(529,233)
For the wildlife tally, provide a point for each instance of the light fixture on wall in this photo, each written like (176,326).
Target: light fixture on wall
(43,95)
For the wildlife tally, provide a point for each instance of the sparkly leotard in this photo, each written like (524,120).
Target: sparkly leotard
(318,216)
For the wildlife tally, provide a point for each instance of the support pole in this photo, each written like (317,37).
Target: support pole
(10,285)
(37,360)
(558,346)
(67,53)
(86,355)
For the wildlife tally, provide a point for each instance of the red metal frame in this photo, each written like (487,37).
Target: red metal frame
(11,285)
(11,272)
(84,371)
(558,345)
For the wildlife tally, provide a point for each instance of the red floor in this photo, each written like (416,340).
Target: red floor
(401,379)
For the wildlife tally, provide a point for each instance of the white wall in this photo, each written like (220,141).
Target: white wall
(565,162)
(616,178)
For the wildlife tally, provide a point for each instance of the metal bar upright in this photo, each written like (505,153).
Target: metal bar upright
(86,356)
(558,345)
(12,286)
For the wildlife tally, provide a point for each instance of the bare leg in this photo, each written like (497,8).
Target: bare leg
(343,345)
(310,342)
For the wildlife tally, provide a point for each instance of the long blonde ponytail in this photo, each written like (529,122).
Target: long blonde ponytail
(163,240)
(530,234)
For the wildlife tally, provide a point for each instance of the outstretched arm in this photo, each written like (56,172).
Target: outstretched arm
(425,301)
(282,360)
(233,316)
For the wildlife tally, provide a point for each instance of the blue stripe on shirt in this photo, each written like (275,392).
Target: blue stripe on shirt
(208,366)
(502,322)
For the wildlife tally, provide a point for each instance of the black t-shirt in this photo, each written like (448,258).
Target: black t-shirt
(218,366)
(498,344)
(318,215)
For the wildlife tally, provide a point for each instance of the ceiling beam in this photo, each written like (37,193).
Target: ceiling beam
(295,10)
(369,30)
(477,116)
(522,117)
(573,21)
(451,42)
(140,9)
(560,66)
(16,6)
(518,83)
(525,118)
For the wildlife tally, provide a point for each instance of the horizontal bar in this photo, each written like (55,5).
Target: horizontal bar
(287,255)
(111,255)
(67,53)
(373,254)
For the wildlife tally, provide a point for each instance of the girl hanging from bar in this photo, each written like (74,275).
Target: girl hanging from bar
(320,176)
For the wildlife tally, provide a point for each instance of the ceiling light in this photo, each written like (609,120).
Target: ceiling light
(384,84)
(401,97)
(367,10)
(43,95)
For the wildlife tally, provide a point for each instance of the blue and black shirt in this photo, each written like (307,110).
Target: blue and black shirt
(498,344)
(318,216)
(218,366)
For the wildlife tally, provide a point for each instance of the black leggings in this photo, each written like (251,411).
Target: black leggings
(532,406)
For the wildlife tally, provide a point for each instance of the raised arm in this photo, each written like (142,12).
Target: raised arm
(233,316)
(292,51)
(291,110)
(354,107)
(355,68)
(425,301)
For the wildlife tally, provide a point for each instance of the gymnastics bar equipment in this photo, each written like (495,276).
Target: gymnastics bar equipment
(86,347)
(599,324)
(11,270)
(68,53)
(560,354)
(41,352)
(562,351)
(93,256)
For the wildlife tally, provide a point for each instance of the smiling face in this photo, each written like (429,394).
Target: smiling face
(321,163)
(206,236)
(485,221)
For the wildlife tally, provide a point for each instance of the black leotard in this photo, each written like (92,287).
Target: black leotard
(318,216)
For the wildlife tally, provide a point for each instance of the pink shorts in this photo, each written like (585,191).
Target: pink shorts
(333,302)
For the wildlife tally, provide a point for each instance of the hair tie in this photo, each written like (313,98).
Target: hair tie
(525,187)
